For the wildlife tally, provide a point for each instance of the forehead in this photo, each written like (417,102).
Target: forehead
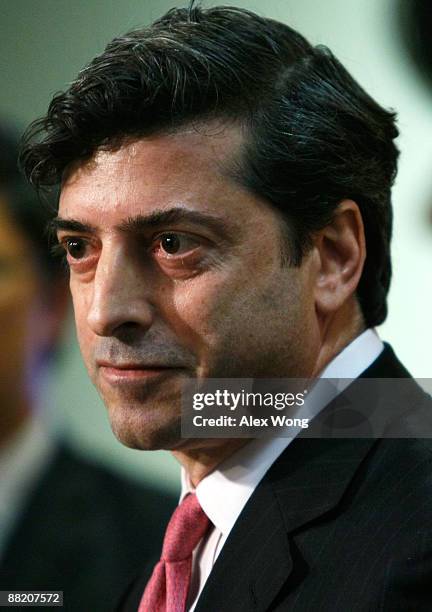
(186,168)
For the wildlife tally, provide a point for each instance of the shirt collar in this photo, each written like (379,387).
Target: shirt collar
(234,481)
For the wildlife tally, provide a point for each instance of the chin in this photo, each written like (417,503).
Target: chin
(145,416)
(143,428)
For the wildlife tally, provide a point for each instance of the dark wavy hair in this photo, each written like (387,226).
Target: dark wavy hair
(313,135)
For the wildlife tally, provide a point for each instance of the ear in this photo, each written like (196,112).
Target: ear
(341,251)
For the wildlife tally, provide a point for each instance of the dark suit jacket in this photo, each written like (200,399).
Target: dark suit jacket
(336,525)
(84,531)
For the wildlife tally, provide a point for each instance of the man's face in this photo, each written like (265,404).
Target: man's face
(176,272)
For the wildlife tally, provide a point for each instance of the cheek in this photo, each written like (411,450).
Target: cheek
(200,308)
(258,327)
(221,315)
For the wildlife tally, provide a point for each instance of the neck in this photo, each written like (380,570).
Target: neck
(337,332)
(202,459)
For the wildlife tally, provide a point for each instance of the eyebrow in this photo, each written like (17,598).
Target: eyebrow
(140,223)
(58,223)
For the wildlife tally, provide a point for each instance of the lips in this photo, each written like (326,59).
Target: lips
(130,372)
(132,366)
(135,366)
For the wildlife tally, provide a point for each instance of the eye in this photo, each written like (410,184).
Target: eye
(75,247)
(170,243)
(176,244)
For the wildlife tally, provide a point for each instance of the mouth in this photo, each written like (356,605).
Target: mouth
(133,372)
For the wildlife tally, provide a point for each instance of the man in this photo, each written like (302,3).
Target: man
(225,212)
(65,523)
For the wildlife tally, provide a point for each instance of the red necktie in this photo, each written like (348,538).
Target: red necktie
(168,586)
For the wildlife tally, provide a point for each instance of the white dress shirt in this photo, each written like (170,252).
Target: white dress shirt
(224,492)
(22,461)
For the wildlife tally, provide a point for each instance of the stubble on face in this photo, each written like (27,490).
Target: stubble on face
(234,311)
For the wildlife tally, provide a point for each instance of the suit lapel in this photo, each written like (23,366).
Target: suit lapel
(255,554)
(307,481)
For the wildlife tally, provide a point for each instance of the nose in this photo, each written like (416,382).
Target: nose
(121,296)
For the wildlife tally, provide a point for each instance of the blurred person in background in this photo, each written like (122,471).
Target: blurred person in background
(65,524)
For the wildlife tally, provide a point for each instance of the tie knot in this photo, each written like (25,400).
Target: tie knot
(187,526)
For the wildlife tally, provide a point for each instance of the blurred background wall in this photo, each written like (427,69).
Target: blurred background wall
(43,44)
